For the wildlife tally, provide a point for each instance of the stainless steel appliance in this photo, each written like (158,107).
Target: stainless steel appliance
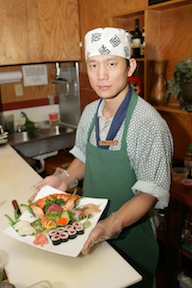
(68,95)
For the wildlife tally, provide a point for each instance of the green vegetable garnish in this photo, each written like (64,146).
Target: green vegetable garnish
(12,222)
(87,224)
(28,208)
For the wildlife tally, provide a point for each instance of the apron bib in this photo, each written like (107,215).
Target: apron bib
(108,174)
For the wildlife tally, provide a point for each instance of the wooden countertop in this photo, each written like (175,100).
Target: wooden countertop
(26,265)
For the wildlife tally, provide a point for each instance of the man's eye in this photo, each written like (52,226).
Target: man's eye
(92,65)
(111,64)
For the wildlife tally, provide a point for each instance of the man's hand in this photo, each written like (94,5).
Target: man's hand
(109,228)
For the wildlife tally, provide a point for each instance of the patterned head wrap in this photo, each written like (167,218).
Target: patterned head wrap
(108,41)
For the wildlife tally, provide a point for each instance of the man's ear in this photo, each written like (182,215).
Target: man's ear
(132,67)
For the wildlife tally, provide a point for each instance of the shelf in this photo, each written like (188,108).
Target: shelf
(169,4)
(126,17)
(142,59)
(186,253)
(172,109)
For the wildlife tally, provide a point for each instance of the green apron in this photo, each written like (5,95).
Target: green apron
(108,174)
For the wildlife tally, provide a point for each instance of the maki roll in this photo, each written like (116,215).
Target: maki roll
(56,239)
(68,227)
(79,229)
(52,232)
(64,236)
(76,224)
(60,230)
(72,233)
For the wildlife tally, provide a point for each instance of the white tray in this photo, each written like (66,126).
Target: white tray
(70,248)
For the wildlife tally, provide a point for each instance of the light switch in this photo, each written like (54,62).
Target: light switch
(18,89)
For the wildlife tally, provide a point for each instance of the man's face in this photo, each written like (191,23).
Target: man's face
(108,75)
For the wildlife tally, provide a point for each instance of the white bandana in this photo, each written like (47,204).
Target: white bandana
(108,41)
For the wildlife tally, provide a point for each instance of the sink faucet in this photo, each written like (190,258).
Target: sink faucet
(23,114)
(29,125)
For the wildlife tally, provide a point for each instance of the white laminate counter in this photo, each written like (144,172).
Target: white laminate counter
(26,265)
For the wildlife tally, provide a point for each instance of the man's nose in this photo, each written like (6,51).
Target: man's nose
(102,72)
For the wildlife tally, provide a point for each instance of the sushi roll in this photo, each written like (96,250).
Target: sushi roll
(79,229)
(76,224)
(56,239)
(52,232)
(68,227)
(64,236)
(72,233)
(60,230)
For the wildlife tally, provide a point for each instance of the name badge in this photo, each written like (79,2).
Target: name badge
(108,142)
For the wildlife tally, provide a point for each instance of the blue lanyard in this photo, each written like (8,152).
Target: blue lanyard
(117,120)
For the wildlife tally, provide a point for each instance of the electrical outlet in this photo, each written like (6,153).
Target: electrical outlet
(18,90)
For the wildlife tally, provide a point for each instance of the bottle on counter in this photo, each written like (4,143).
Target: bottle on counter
(188,161)
(136,40)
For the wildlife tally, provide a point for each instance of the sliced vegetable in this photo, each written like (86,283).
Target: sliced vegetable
(64,219)
(13,221)
(28,208)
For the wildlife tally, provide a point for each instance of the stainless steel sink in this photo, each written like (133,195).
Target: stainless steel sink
(54,130)
(22,137)
(44,139)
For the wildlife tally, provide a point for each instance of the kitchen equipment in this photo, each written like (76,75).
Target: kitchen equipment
(68,94)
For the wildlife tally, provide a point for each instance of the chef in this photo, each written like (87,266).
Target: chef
(123,152)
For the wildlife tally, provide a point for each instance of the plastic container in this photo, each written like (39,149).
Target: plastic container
(179,174)
(184,281)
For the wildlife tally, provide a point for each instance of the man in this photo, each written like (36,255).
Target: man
(123,152)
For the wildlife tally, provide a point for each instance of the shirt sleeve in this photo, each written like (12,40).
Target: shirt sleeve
(151,156)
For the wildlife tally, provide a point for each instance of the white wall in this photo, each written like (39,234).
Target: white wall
(35,114)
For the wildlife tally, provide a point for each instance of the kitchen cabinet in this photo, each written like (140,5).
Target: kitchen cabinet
(167,37)
(34,31)
(59,24)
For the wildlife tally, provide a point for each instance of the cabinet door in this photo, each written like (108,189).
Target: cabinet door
(13,32)
(35,31)
(59,24)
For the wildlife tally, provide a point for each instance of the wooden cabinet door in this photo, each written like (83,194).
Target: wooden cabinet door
(59,24)
(13,32)
(35,31)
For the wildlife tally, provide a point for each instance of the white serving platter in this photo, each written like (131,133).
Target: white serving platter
(72,247)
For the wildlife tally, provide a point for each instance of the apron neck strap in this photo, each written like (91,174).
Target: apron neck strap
(117,120)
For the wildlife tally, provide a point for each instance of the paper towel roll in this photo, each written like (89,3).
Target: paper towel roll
(11,76)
